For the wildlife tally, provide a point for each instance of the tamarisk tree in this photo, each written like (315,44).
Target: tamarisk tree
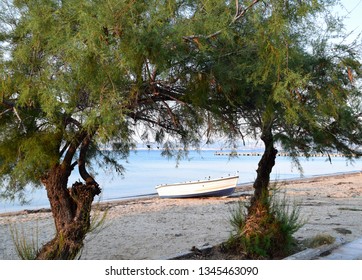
(280,74)
(76,78)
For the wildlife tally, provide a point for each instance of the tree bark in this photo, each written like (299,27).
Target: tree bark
(71,212)
(265,166)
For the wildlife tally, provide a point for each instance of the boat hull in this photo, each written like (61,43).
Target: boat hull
(213,187)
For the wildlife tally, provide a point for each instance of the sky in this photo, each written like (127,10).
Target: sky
(352,9)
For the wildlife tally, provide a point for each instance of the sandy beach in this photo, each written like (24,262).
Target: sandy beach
(154,228)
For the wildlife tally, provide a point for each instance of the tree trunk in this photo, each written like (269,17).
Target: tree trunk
(71,212)
(259,230)
(263,234)
(265,167)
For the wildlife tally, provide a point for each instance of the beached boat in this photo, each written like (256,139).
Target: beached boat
(210,187)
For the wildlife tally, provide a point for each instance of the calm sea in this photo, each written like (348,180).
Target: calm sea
(147,168)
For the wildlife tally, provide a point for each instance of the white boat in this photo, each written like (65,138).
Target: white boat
(210,187)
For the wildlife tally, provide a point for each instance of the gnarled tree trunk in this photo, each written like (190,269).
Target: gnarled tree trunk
(71,212)
(71,207)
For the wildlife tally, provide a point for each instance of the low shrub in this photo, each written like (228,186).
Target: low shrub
(264,230)
(319,240)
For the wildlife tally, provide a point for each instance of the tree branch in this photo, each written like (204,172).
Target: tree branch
(4,112)
(82,160)
(238,14)
(74,164)
(237,8)
(241,13)
(171,114)
(166,126)
(19,118)
(73,146)
(70,120)
(11,106)
(62,151)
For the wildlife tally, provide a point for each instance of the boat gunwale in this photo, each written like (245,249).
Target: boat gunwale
(197,182)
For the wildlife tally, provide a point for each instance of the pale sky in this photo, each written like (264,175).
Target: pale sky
(352,9)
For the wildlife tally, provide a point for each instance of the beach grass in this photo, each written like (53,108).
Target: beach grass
(268,234)
(319,240)
(26,248)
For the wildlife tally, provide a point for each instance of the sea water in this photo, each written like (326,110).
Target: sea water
(144,169)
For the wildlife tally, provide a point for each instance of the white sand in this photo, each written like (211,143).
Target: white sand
(153,228)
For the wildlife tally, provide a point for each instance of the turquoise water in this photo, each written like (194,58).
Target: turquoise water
(147,168)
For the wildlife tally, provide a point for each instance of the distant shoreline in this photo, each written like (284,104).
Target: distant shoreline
(142,174)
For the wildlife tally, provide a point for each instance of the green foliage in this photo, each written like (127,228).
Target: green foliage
(277,69)
(266,232)
(102,70)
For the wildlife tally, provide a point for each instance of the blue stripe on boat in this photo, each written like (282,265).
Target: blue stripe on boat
(224,192)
